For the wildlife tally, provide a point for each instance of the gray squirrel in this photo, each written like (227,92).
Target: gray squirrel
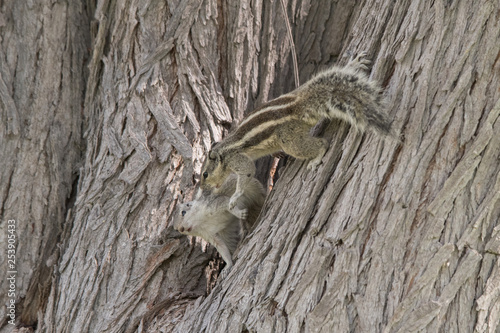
(209,217)
(284,123)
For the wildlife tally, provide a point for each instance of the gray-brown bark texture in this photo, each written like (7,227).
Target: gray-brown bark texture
(127,96)
(43,50)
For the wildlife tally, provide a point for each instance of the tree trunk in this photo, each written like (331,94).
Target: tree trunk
(43,50)
(384,236)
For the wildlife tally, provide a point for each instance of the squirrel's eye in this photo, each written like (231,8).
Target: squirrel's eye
(183,212)
(205,175)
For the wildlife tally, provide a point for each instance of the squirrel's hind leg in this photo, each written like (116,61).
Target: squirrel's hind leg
(295,140)
(360,62)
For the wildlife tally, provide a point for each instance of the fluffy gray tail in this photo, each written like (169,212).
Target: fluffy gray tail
(347,93)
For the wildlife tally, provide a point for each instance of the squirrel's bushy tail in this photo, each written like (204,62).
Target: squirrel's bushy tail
(347,93)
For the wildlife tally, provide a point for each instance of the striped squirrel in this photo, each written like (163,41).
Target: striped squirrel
(208,215)
(284,123)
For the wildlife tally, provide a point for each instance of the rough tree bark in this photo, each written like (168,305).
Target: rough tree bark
(43,51)
(382,238)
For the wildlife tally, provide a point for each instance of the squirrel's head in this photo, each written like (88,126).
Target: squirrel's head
(213,172)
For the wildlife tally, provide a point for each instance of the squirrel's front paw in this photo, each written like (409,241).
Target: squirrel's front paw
(233,201)
(242,214)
